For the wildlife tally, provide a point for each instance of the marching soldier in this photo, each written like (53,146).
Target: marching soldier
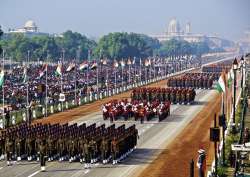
(42,150)
(104,150)
(9,149)
(86,153)
(114,150)
(2,146)
(18,144)
(93,150)
(28,144)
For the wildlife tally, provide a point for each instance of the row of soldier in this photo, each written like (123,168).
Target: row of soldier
(41,142)
(194,80)
(217,68)
(174,95)
(139,110)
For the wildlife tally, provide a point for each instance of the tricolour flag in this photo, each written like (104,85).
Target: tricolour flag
(129,62)
(221,85)
(104,62)
(43,70)
(83,66)
(25,76)
(70,67)
(59,70)
(116,64)
(1,78)
(93,66)
(122,63)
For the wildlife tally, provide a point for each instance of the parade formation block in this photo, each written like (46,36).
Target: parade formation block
(82,143)
(173,95)
(139,110)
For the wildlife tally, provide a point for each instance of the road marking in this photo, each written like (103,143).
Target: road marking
(1,168)
(33,174)
(86,171)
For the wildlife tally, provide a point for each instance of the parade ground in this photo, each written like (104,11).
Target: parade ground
(164,148)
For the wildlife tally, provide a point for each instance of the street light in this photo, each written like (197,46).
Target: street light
(241,66)
(235,67)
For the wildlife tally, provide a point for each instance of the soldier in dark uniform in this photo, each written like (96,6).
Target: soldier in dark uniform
(50,148)
(81,148)
(61,147)
(37,144)
(93,150)
(28,144)
(9,149)
(86,153)
(104,150)
(18,145)
(114,150)
(2,146)
(42,150)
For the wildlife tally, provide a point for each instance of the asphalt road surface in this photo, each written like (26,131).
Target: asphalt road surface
(153,137)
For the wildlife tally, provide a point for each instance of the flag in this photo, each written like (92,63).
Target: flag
(59,70)
(229,78)
(42,71)
(122,63)
(94,66)
(83,66)
(129,62)
(70,67)
(25,76)
(1,78)
(116,64)
(133,62)
(104,62)
(221,84)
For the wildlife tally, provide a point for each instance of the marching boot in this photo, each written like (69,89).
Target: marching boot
(18,158)
(43,168)
(85,165)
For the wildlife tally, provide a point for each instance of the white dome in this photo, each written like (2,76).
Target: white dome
(30,24)
(174,27)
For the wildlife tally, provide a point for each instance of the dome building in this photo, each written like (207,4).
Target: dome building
(30,26)
(30,29)
(174,27)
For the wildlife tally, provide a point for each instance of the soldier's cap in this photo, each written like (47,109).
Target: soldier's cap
(201,151)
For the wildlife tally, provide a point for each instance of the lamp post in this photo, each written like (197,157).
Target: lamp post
(241,66)
(235,67)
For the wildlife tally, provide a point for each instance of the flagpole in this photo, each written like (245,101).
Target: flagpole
(88,73)
(63,53)
(140,70)
(122,72)
(129,70)
(27,91)
(46,88)
(107,79)
(77,60)
(97,79)
(4,121)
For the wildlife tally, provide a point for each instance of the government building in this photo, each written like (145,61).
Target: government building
(174,31)
(30,29)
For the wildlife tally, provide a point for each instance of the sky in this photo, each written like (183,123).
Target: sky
(94,18)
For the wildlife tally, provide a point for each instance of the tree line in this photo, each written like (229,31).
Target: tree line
(113,45)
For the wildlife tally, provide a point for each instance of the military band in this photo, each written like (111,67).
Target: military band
(86,144)
(138,110)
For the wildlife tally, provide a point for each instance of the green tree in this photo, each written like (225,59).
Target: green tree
(124,45)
